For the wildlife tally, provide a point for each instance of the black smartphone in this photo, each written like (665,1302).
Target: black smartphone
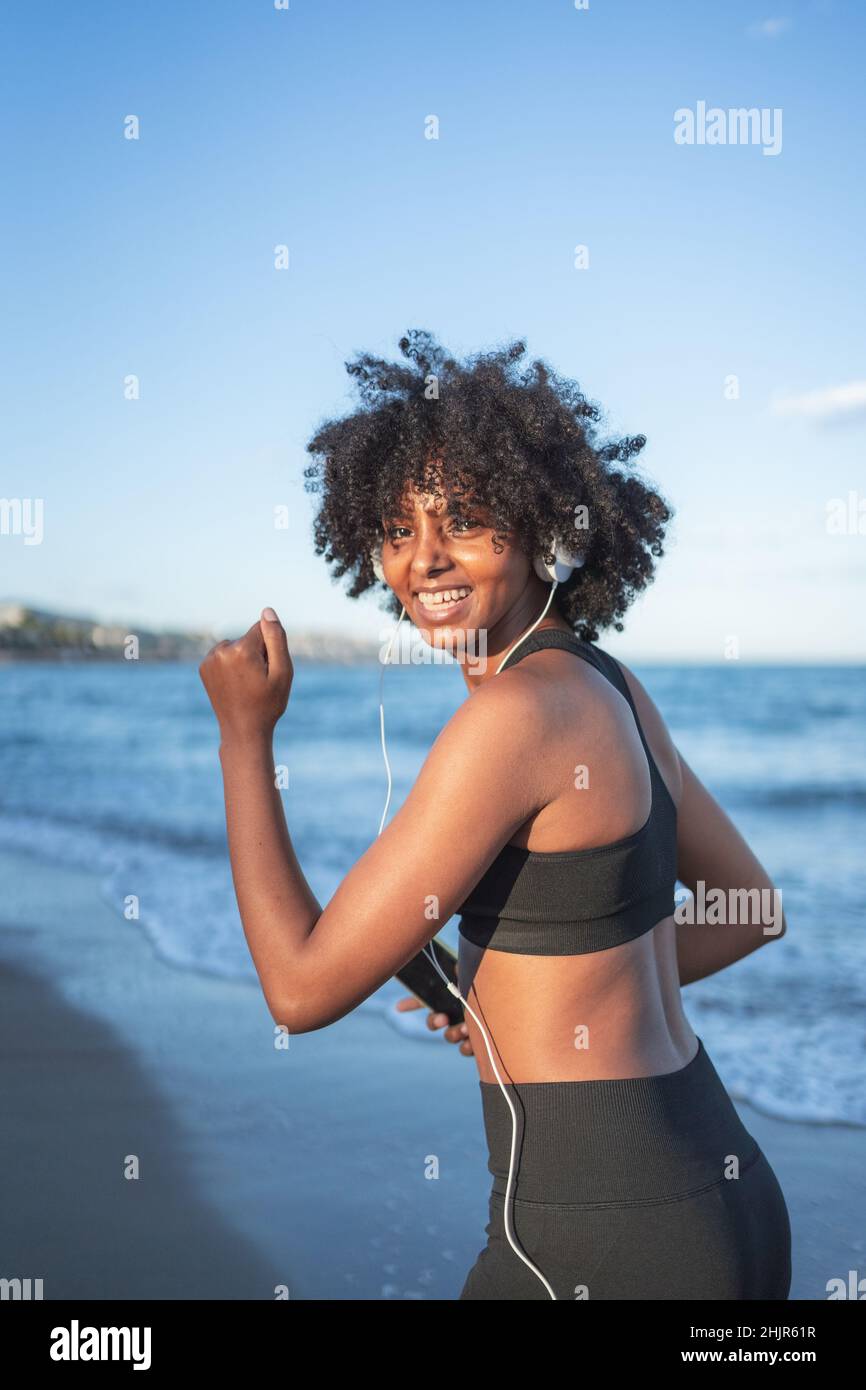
(421,978)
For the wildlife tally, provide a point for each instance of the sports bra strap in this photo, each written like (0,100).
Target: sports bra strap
(602,661)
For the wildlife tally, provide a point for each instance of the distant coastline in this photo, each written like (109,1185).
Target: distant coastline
(34,634)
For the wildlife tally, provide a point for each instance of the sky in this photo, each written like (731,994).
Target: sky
(717,309)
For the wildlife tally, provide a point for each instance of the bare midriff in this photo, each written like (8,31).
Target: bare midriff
(607,1014)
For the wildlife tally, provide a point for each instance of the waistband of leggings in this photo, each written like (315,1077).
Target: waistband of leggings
(640,1138)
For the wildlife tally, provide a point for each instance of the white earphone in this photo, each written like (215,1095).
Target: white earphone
(376,562)
(554,571)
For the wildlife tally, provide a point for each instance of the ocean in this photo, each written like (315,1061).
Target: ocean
(115,767)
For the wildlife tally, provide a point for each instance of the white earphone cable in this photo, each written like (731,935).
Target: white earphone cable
(431,956)
(382,717)
(529,629)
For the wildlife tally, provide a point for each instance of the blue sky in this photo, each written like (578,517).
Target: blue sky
(306,127)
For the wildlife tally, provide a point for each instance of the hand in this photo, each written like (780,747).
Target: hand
(454,1032)
(248,681)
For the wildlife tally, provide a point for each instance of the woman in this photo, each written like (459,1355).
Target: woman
(553,813)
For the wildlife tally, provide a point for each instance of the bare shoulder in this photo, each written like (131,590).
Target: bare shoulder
(511,720)
(512,708)
(656,732)
(486,759)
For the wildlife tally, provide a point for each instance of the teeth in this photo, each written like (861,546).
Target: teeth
(444,596)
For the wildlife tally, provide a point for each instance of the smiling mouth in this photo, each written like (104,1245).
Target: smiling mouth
(442,603)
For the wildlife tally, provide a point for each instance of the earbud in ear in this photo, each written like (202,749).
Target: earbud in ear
(376,561)
(560,568)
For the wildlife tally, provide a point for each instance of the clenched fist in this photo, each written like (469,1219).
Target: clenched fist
(248,681)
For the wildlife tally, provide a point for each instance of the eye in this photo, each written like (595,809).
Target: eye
(466,523)
(391,532)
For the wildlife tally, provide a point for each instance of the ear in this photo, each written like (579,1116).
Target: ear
(376,561)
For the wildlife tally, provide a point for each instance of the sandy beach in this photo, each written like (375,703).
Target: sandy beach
(261,1166)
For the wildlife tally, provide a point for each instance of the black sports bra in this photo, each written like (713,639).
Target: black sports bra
(571,902)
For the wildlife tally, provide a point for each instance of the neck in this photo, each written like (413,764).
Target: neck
(503,636)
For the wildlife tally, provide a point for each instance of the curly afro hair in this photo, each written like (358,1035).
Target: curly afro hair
(523,444)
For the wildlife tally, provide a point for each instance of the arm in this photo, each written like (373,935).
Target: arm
(711,851)
(317,965)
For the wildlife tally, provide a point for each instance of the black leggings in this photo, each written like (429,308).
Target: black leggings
(647,1187)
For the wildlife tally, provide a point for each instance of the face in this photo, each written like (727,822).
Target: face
(448,576)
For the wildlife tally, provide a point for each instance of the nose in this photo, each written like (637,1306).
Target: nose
(430,555)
